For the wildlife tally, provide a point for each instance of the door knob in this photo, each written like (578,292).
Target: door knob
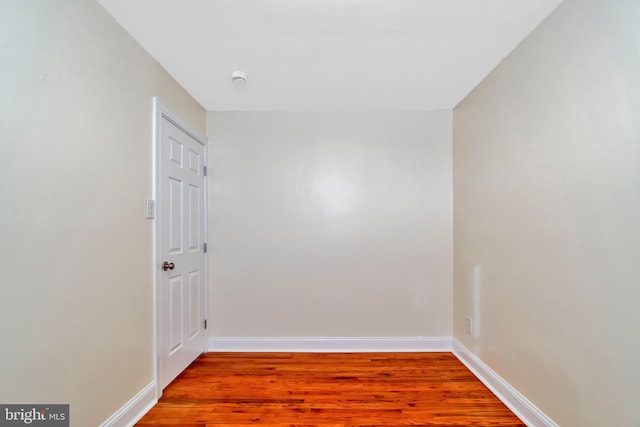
(168,266)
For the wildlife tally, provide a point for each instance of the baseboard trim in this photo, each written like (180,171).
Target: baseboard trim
(134,409)
(326,345)
(520,405)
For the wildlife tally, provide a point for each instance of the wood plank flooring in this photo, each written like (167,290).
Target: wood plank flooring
(322,389)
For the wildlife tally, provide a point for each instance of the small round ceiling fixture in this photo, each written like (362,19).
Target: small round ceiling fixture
(239,77)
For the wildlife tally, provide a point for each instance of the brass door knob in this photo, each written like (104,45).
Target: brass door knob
(168,266)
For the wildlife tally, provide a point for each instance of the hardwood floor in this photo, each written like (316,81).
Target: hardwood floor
(320,389)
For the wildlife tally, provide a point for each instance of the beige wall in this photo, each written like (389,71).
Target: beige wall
(547,211)
(75,168)
(330,224)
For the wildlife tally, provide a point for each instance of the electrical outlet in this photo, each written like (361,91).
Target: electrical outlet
(468,323)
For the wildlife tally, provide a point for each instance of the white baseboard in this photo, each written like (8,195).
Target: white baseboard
(520,405)
(134,409)
(325,345)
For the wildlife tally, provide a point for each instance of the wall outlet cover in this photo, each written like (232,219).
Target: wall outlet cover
(468,323)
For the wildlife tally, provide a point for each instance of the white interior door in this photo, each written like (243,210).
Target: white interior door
(181,294)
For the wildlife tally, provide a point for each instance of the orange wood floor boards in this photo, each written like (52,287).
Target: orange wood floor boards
(328,389)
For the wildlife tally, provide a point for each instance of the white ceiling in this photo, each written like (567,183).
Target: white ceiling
(329,55)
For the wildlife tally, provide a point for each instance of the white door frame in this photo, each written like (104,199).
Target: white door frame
(160,111)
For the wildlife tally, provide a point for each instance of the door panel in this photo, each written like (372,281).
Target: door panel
(181,233)
(175,314)
(175,216)
(195,302)
(193,213)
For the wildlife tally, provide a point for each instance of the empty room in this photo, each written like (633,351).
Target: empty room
(320,212)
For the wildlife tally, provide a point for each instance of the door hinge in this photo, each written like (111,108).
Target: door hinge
(204,170)
(205,323)
(205,248)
